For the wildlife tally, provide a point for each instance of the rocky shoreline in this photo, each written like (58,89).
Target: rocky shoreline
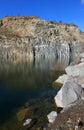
(71,99)
(70,119)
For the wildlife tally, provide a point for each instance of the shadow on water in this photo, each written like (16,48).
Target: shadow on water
(27,84)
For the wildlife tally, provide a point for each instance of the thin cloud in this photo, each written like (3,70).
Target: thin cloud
(82,1)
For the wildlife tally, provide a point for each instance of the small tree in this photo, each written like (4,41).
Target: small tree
(66,28)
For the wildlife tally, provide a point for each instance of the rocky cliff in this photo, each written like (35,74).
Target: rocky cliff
(32,37)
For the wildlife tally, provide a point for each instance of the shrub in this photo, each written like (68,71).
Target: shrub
(52,22)
(65,27)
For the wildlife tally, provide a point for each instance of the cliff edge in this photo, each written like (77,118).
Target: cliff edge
(30,36)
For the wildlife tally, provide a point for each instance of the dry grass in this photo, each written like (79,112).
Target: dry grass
(9,18)
(6,32)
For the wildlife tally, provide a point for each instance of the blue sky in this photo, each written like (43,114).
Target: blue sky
(69,11)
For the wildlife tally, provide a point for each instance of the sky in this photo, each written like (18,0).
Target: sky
(67,11)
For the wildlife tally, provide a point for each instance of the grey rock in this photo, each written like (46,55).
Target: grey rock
(27,122)
(76,70)
(32,37)
(52,116)
(62,79)
(68,94)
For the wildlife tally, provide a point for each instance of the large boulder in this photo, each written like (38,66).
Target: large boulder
(76,70)
(69,93)
(62,79)
(79,80)
(74,73)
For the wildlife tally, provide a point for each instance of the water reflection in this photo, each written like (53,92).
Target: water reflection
(28,74)
(29,82)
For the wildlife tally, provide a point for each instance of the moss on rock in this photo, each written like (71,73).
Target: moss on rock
(57,84)
(22,113)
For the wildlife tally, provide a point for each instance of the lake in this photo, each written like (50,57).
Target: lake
(28,84)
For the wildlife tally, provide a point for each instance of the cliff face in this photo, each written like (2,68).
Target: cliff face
(32,37)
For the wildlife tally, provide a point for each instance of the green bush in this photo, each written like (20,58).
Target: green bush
(66,28)
(52,22)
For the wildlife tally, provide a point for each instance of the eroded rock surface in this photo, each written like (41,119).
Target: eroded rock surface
(32,37)
(73,85)
(69,93)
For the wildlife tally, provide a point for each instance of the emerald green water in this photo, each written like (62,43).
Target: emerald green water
(27,85)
